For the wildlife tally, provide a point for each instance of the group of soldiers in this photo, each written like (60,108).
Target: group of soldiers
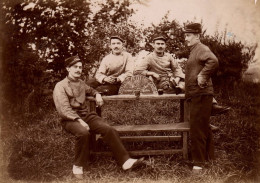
(163,69)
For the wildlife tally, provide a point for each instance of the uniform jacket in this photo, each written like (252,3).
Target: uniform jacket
(201,63)
(120,66)
(70,98)
(164,66)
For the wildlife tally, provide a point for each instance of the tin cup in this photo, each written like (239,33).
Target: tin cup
(137,93)
(160,91)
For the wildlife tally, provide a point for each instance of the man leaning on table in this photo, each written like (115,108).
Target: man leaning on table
(166,73)
(114,68)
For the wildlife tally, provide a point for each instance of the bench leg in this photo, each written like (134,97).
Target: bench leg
(92,106)
(185,145)
(182,110)
(93,143)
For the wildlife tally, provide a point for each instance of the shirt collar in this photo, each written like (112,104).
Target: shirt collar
(158,55)
(72,80)
(115,54)
(195,45)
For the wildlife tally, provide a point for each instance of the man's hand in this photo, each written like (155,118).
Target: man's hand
(83,123)
(118,80)
(99,100)
(110,79)
(154,75)
(202,82)
(175,81)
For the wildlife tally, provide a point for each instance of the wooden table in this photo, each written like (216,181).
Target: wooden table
(180,126)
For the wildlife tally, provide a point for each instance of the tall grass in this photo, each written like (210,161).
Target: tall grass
(36,149)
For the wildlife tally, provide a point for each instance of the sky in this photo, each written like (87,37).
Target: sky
(240,17)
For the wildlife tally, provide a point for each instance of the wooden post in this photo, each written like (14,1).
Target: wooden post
(181,110)
(186,111)
(98,111)
(92,143)
(92,140)
(92,106)
(185,145)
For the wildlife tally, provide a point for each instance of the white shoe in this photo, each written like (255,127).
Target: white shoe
(77,171)
(133,163)
(197,168)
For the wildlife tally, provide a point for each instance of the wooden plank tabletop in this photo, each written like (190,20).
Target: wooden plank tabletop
(177,127)
(141,97)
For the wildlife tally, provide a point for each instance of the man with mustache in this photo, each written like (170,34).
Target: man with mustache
(167,74)
(201,65)
(114,68)
(161,67)
(70,100)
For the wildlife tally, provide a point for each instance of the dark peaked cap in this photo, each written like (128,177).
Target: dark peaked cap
(117,37)
(159,37)
(72,60)
(193,28)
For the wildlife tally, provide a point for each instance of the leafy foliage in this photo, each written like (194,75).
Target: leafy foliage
(43,33)
(172,31)
(36,38)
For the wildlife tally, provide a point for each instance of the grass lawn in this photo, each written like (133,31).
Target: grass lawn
(34,148)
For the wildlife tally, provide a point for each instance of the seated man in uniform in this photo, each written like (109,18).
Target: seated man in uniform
(70,100)
(165,71)
(114,68)
(162,68)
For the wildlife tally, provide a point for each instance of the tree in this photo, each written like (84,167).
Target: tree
(233,56)
(37,36)
(172,31)
(44,33)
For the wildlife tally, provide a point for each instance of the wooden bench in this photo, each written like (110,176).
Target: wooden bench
(135,130)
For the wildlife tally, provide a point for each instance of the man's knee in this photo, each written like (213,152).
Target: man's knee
(93,83)
(107,129)
(108,89)
(83,133)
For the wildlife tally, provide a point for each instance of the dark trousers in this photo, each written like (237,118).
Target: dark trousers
(106,89)
(202,148)
(96,125)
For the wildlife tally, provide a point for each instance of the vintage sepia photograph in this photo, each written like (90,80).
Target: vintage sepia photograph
(130,91)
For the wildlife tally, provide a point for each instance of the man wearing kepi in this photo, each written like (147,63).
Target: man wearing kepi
(202,63)
(114,68)
(70,100)
(161,67)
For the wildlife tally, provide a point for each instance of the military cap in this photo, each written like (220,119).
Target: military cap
(117,37)
(193,28)
(159,37)
(72,60)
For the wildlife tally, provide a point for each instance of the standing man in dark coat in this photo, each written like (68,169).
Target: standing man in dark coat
(202,63)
